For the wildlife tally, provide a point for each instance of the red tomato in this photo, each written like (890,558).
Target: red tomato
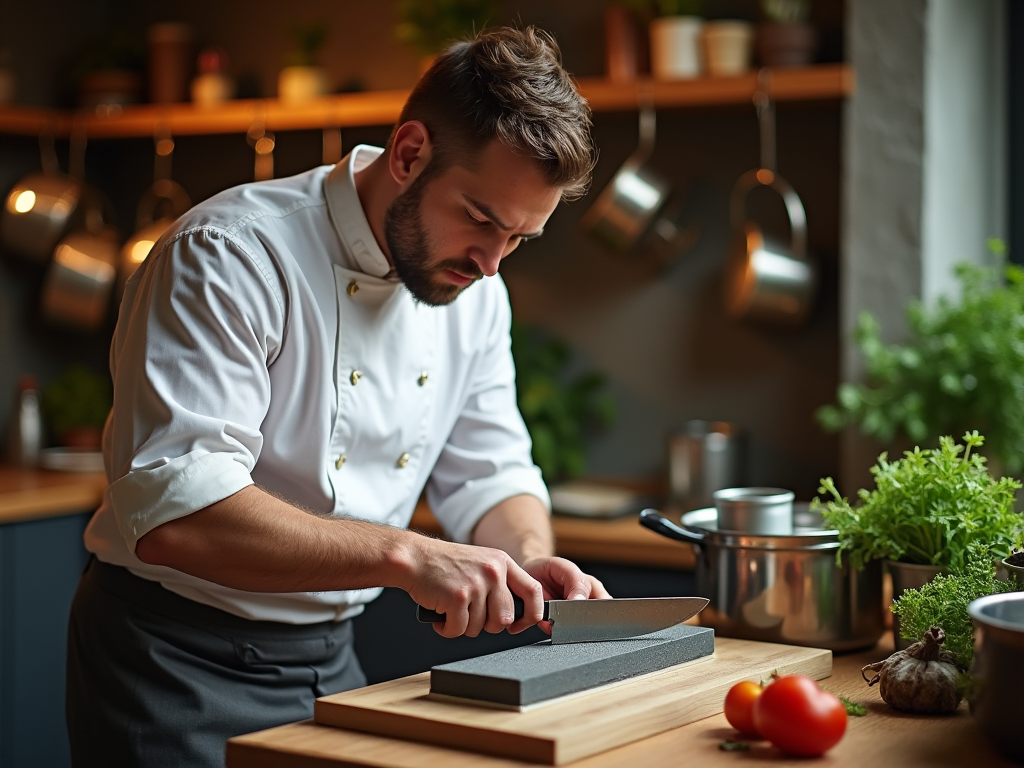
(798,717)
(739,706)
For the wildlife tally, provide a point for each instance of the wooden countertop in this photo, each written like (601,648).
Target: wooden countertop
(31,494)
(882,737)
(28,494)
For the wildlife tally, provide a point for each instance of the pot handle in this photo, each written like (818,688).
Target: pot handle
(762,177)
(651,518)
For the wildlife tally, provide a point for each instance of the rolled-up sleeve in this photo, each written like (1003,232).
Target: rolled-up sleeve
(487,457)
(200,326)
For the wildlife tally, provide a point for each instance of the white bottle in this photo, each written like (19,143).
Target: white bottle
(26,432)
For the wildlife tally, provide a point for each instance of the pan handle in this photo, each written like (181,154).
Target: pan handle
(651,518)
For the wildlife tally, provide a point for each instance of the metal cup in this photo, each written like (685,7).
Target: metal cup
(763,511)
(703,457)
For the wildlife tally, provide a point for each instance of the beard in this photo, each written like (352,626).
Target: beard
(413,255)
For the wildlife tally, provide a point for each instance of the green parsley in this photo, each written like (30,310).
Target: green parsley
(852,708)
(927,508)
(942,602)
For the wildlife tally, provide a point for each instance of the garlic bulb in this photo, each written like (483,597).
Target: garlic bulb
(922,678)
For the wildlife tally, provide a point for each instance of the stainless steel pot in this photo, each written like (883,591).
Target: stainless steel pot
(41,208)
(780,588)
(997,671)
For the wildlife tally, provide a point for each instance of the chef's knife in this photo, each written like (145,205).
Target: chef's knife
(580,621)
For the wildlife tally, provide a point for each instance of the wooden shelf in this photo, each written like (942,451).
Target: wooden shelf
(829,81)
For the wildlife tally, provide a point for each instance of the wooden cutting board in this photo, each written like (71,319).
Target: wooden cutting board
(577,726)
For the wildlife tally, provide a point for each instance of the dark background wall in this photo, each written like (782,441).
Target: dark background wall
(659,335)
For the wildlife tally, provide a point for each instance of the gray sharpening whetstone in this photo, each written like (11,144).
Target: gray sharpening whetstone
(533,673)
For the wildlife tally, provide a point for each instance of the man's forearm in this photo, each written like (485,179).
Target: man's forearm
(519,525)
(258,543)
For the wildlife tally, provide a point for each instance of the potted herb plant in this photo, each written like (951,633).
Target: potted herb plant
(302,78)
(926,512)
(428,26)
(785,38)
(962,368)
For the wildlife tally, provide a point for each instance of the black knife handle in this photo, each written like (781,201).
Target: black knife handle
(427,616)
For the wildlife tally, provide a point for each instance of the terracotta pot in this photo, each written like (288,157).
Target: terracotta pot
(298,84)
(786,45)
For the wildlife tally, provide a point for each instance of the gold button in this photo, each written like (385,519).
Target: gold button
(342,458)
(402,460)
(356,376)
(422,379)
(352,288)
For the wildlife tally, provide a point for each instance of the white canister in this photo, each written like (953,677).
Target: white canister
(728,46)
(676,47)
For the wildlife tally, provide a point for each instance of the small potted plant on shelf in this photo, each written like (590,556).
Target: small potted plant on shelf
(785,38)
(926,512)
(428,26)
(676,39)
(961,368)
(302,78)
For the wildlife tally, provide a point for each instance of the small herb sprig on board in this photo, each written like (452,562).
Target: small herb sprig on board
(943,601)
(927,508)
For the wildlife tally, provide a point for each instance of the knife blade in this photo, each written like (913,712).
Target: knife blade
(582,621)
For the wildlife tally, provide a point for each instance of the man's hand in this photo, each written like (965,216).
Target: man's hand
(471,586)
(563,580)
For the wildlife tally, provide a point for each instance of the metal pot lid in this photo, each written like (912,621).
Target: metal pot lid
(808,531)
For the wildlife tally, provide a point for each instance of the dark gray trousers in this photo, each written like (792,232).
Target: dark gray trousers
(155,679)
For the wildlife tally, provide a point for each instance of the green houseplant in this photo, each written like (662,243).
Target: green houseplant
(961,369)
(559,409)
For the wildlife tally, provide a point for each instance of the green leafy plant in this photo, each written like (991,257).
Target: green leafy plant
(559,409)
(307,40)
(943,602)
(430,25)
(786,11)
(927,508)
(962,368)
(77,399)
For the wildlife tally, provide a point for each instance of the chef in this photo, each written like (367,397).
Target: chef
(294,363)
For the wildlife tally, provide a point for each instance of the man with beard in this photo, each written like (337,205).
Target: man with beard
(293,364)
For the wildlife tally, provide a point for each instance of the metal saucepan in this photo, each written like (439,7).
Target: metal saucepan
(627,206)
(631,210)
(764,280)
(79,280)
(159,206)
(40,208)
(780,588)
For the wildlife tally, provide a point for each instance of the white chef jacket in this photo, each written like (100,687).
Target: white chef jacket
(261,342)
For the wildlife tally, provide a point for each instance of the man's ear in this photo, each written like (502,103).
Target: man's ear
(410,153)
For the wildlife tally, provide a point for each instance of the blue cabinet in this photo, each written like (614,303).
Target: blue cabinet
(40,563)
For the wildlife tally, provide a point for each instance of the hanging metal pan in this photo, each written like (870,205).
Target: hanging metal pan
(765,280)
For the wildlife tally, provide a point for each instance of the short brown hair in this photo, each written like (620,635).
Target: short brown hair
(507,84)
